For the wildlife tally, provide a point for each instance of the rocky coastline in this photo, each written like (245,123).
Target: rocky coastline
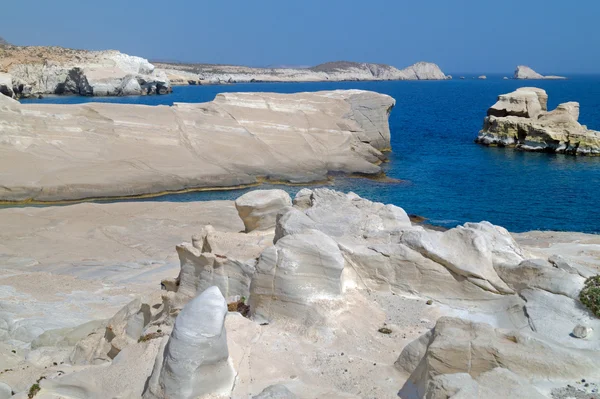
(32,71)
(521,120)
(101,150)
(324,295)
(207,74)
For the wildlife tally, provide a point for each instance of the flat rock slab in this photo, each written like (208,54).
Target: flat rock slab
(97,150)
(91,258)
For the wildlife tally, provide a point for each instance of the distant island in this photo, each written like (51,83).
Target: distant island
(524,72)
(194,74)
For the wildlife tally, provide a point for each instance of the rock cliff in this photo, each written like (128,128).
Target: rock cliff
(524,72)
(62,152)
(184,74)
(521,119)
(37,71)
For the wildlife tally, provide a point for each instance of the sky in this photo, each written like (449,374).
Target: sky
(468,36)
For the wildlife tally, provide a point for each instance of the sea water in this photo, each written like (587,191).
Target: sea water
(446,177)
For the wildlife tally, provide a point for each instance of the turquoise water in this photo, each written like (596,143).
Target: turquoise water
(448,178)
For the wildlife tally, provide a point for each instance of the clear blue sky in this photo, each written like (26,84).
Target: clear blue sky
(551,36)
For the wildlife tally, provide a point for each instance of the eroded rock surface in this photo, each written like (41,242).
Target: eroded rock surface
(34,71)
(195,360)
(258,209)
(520,119)
(460,346)
(323,303)
(61,152)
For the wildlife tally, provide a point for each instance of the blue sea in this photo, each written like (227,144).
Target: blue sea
(447,178)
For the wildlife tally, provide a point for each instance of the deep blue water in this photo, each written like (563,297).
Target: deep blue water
(450,179)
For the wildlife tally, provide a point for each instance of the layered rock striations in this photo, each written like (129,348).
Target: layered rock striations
(68,152)
(521,119)
(191,74)
(34,71)
(524,72)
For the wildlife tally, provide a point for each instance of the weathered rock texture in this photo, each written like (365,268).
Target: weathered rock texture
(524,72)
(461,346)
(61,152)
(319,288)
(258,209)
(36,71)
(195,360)
(192,74)
(520,119)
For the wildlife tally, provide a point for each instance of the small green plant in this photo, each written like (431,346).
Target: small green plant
(35,388)
(590,294)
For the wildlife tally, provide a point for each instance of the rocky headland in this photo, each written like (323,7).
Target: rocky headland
(524,72)
(324,295)
(28,71)
(194,74)
(98,150)
(521,119)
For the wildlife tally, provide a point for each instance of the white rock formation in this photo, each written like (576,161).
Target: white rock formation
(499,383)
(258,209)
(109,339)
(540,274)
(471,251)
(195,359)
(520,119)
(298,270)
(192,74)
(277,391)
(524,72)
(53,70)
(60,152)
(461,346)
(340,269)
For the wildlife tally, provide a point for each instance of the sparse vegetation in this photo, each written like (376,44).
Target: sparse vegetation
(239,306)
(590,295)
(35,388)
(150,336)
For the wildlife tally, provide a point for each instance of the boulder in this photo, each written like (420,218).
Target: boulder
(277,391)
(195,359)
(581,331)
(290,275)
(6,84)
(462,346)
(130,87)
(258,209)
